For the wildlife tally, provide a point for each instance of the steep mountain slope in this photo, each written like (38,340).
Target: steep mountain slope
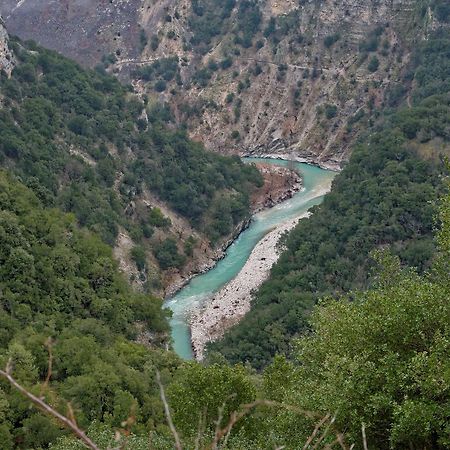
(69,322)
(299,78)
(276,77)
(86,144)
(6,57)
(84,30)
(304,79)
(62,295)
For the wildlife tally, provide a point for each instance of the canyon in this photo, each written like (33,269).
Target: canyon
(301,87)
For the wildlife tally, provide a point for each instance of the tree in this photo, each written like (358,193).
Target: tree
(199,390)
(386,354)
(373,65)
(167,254)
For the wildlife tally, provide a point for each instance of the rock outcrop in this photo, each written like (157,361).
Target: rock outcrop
(6,56)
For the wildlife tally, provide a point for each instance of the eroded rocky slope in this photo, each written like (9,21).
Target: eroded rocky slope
(6,57)
(273,76)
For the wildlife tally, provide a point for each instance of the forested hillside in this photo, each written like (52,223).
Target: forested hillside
(357,308)
(83,142)
(60,287)
(377,361)
(383,197)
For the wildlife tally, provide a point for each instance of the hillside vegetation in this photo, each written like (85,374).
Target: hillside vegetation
(269,76)
(59,285)
(378,360)
(349,339)
(83,142)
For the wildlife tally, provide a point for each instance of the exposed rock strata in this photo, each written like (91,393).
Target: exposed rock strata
(280,183)
(6,56)
(271,120)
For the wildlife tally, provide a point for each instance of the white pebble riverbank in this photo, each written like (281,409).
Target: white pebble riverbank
(229,305)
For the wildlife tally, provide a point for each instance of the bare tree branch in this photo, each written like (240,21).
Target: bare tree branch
(201,429)
(315,431)
(322,437)
(218,422)
(363,431)
(167,412)
(71,425)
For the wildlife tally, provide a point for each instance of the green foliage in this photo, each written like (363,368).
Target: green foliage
(331,40)
(163,69)
(139,257)
(380,198)
(442,10)
(330,111)
(391,345)
(229,98)
(226,63)
(373,65)
(189,246)
(160,86)
(378,358)
(284,25)
(211,18)
(66,131)
(167,254)
(202,76)
(249,19)
(157,219)
(62,282)
(208,20)
(154,42)
(52,268)
(371,43)
(142,39)
(235,135)
(198,390)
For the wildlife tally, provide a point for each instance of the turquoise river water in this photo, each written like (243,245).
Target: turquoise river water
(201,288)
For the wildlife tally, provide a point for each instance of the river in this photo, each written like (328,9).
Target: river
(201,288)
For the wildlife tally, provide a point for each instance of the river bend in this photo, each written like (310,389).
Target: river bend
(316,182)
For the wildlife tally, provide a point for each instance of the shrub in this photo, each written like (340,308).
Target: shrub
(373,65)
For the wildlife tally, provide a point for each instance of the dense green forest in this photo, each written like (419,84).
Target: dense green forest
(377,359)
(371,363)
(382,197)
(85,143)
(61,283)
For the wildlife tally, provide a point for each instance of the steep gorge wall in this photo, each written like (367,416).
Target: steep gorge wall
(314,107)
(297,95)
(84,30)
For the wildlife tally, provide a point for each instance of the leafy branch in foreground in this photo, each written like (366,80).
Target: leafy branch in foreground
(323,429)
(46,408)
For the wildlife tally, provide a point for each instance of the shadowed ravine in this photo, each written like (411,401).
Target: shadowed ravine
(200,289)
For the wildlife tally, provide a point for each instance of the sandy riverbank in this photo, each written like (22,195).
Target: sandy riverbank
(232,302)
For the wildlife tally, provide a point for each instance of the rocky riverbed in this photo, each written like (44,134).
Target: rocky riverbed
(232,302)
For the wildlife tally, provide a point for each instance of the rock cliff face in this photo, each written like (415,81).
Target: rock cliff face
(85,30)
(308,80)
(306,94)
(6,57)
